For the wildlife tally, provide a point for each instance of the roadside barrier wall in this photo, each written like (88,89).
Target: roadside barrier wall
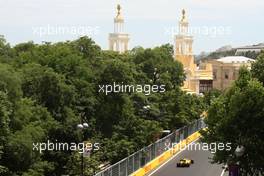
(148,158)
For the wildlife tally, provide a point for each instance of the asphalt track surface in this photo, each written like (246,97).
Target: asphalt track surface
(201,166)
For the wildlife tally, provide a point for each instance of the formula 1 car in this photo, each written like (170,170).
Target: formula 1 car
(185,162)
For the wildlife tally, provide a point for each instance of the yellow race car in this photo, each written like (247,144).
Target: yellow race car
(185,162)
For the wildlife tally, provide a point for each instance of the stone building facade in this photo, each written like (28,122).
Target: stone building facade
(225,70)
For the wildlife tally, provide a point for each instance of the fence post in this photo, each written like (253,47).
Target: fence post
(119,169)
(133,167)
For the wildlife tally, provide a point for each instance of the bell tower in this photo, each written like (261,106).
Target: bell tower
(118,41)
(198,78)
(183,43)
(184,51)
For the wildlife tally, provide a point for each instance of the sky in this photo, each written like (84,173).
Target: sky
(150,23)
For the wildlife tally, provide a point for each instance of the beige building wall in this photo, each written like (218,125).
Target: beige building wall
(225,70)
(215,73)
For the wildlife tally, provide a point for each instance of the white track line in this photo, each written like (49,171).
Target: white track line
(223,172)
(155,170)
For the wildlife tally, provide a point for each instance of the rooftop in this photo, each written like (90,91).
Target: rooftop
(258,46)
(235,59)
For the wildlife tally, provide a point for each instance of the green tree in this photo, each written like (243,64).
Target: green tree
(48,87)
(5,50)
(257,68)
(10,82)
(210,96)
(236,117)
(5,112)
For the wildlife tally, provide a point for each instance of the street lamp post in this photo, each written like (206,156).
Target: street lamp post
(240,150)
(234,170)
(155,75)
(146,111)
(146,108)
(82,126)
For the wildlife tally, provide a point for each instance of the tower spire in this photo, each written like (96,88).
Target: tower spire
(118,40)
(118,9)
(183,15)
(118,16)
(183,41)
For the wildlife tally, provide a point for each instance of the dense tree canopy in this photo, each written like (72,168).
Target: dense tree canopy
(258,68)
(236,117)
(45,89)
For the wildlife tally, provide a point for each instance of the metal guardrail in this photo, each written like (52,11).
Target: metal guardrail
(140,158)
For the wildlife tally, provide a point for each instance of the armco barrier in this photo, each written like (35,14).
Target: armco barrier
(146,159)
(165,156)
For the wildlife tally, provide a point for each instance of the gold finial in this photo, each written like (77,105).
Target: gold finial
(118,9)
(183,14)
